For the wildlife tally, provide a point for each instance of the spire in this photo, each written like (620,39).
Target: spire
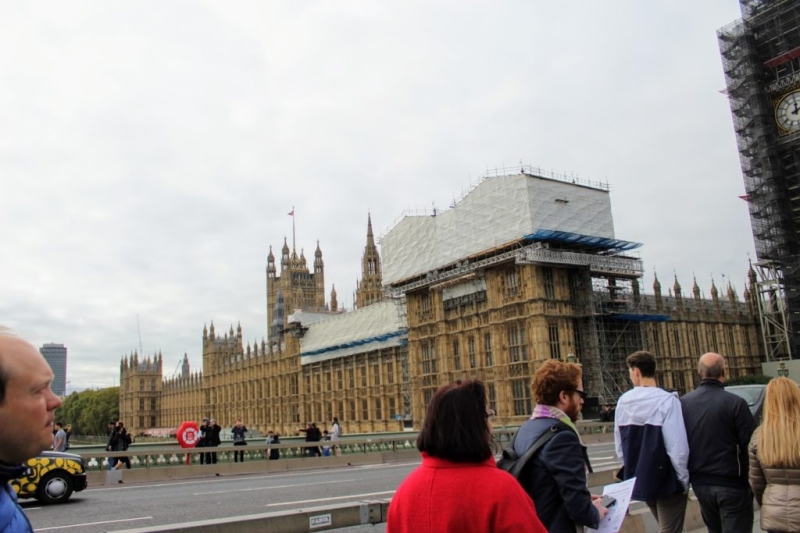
(334,301)
(370,236)
(285,255)
(714,291)
(657,291)
(370,288)
(677,288)
(696,289)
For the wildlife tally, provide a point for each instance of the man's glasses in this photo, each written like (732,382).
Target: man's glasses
(582,394)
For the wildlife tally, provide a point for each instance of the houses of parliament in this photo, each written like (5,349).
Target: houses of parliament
(524,268)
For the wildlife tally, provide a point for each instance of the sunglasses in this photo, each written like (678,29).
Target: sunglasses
(582,394)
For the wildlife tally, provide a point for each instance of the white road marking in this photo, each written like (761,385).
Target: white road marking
(272,487)
(95,523)
(332,498)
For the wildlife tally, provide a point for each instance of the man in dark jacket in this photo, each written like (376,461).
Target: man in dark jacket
(719,426)
(556,476)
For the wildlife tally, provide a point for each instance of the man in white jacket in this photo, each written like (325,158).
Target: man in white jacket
(650,440)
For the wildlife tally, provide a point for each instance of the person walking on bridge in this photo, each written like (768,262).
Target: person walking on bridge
(718,427)
(458,488)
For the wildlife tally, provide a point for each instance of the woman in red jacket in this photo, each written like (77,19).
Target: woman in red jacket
(458,487)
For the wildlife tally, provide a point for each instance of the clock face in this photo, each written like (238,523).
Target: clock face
(787,112)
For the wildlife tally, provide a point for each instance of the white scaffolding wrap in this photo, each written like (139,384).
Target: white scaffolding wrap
(370,328)
(498,211)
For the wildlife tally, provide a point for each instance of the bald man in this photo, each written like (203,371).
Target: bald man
(719,425)
(27,406)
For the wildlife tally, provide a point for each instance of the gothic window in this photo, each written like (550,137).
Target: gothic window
(141,384)
(512,281)
(471,350)
(141,405)
(392,407)
(520,392)
(364,410)
(549,285)
(730,339)
(713,338)
(456,356)
(376,374)
(153,384)
(152,404)
(517,350)
(152,421)
(428,358)
(371,266)
(492,393)
(487,348)
(351,375)
(555,346)
(378,409)
(362,372)
(427,394)
(353,410)
(390,372)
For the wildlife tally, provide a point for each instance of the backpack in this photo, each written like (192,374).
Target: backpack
(513,463)
(339,431)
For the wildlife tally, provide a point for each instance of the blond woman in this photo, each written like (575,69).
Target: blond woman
(775,458)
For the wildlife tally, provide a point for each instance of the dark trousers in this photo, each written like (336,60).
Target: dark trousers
(725,509)
(238,456)
(670,512)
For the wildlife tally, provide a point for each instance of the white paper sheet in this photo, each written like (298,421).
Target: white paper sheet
(612,523)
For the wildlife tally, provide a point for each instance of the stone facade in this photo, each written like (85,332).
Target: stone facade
(495,315)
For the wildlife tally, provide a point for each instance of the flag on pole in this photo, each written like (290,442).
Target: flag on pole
(291,213)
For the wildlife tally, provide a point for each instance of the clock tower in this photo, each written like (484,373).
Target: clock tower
(761,59)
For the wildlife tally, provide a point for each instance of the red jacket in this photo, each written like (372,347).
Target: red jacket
(441,496)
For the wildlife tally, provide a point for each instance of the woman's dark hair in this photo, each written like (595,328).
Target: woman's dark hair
(455,426)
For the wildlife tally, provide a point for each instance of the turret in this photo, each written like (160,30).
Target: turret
(657,292)
(334,301)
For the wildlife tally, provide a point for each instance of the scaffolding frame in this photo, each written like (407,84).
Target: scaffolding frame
(761,64)
(772,311)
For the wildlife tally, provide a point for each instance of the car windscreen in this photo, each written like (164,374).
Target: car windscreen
(750,394)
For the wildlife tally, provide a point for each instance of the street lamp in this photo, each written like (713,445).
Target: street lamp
(782,370)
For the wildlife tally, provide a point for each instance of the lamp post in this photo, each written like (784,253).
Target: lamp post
(782,370)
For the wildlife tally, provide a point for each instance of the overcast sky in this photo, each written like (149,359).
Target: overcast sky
(150,151)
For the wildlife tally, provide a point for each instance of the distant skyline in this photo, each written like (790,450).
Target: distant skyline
(150,153)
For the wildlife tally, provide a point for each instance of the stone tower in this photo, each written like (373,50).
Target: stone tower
(370,288)
(301,288)
(140,391)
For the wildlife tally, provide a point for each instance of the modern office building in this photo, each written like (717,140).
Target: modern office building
(56,357)
(761,60)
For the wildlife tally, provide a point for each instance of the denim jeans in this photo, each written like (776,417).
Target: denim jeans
(725,509)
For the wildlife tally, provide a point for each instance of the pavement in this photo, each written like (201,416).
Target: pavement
(650,526)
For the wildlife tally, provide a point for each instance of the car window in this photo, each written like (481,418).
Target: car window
(750,394)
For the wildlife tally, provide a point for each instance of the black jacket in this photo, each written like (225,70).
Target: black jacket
(556,477)
(719,426)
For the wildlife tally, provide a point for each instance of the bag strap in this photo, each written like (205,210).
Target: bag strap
(543,439)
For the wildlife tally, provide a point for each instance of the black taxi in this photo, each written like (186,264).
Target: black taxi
(51,477)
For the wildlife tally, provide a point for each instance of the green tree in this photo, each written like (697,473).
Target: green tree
(90,410)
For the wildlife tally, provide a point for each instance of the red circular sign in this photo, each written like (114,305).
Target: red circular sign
(188,434)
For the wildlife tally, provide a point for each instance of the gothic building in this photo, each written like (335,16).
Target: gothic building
(524,268)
